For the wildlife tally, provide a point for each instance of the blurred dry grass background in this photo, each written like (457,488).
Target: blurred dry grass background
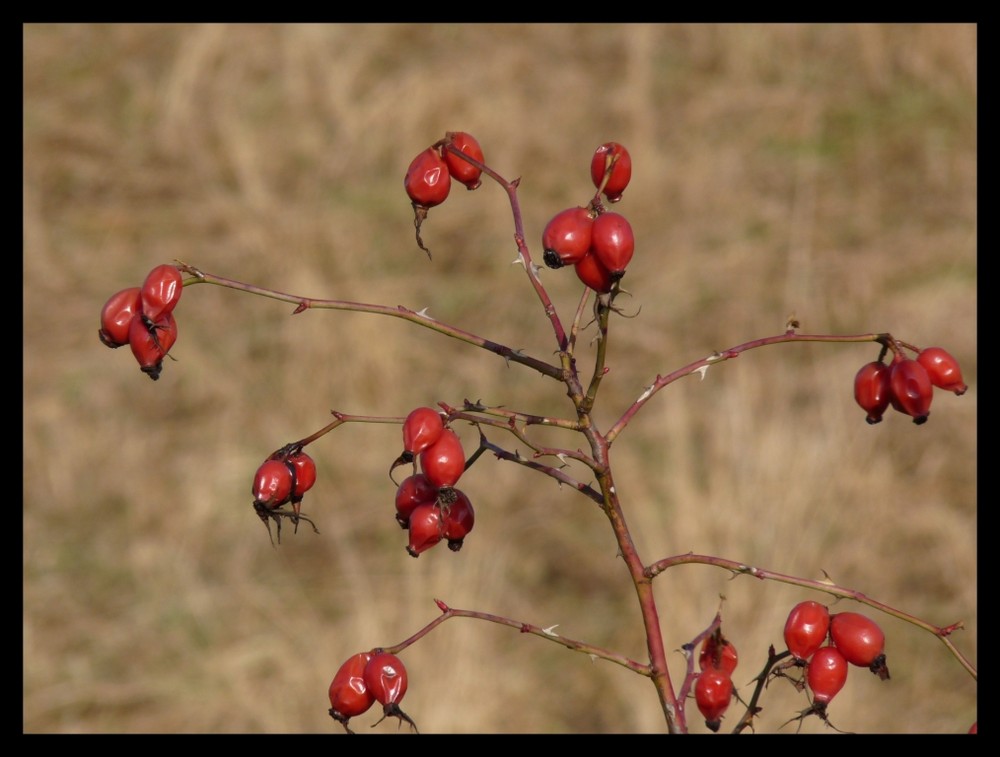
(826,171)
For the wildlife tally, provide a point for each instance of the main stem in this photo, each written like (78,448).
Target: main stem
(659,673)
(599,445)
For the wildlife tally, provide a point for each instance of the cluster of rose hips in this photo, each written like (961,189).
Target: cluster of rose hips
(366,678)
(283,478)
(713,690)
(906,384)
(428,178)
(427,502)
(598,243)
(142,317)
(827,644)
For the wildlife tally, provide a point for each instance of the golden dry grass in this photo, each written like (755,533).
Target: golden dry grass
(824,170)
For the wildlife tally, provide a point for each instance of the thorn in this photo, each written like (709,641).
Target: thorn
(422,313)
(550,631)
(648,390)
(519,260)
(703,370)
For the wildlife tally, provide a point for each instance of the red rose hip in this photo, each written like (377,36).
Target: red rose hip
(713,691)
(457,520)
(612,157)
(872,390)
(460,169)
(427,180)
(150,342)
(613,243)
(567,236)
(426,528)
(826,674)
(414,491)
(592,272)
(444,461)
(911,389)
(160,291)
(422,427)
(806,628)
(349,694)
(942,369)
(860,640)
(117,314)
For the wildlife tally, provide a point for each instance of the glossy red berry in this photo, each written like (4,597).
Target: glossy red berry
(427,180)
(349,694)
(718,653)
(942,369)
(713,691)
(117,314)
(421,429)
(305,474)
(912,390)
(273,484)
(860,640)
(387,680)
(426,528)
(160,291)
(283,478)
(457,520)
(615,157)
(459,168)
(872,390)
(414,491)
(593,273)
(151,341)
(806,628)
(443,462)
(613,243)
(567,236)
(826,674)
